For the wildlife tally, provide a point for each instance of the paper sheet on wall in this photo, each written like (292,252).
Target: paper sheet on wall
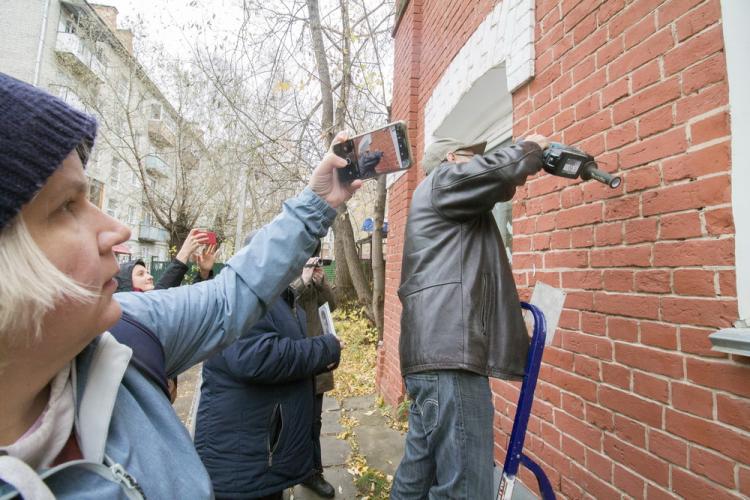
(550,300)
(326,320)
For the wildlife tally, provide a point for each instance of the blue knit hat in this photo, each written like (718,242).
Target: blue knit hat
(37,132)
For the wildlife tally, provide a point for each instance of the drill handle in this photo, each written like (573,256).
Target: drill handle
(589,171)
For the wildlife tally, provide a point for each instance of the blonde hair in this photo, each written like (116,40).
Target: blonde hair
(30,285)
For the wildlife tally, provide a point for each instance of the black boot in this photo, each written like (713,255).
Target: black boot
(319,485)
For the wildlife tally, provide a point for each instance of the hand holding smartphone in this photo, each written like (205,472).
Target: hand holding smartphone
(375,153)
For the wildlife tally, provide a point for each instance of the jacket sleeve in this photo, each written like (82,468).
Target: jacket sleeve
(320,294)
(325,294)
(172,276)
(265,357)
(462,191)
(195,321)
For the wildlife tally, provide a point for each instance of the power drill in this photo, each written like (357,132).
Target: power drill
(567,161)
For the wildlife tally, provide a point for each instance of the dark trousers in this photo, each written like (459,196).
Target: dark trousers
(317,425)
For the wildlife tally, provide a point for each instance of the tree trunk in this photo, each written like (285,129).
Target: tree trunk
(376,255)
(344,290)
(353,262)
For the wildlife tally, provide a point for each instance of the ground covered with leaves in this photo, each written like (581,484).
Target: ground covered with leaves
(355,376)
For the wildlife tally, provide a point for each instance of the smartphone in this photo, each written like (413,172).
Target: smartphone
(211,237)
(375,153)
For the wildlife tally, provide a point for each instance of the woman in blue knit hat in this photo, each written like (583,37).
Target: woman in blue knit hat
(78,420)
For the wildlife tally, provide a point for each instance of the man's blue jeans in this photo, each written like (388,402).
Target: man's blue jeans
(449,445)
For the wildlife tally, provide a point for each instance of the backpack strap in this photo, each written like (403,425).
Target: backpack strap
(148,351)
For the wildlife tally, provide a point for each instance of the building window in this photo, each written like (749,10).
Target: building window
(132,215)
(114,173)
(155,112)
(112,208)
(96,192)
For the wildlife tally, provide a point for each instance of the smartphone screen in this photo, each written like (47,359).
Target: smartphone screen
(374,153)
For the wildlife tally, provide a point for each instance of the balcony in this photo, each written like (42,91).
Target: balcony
(152,234)
(156,166)
(160,134)
(73,51)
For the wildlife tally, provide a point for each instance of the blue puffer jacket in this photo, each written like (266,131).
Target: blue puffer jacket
(254,425)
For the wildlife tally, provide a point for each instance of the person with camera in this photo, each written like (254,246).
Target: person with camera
(79,420)
(461,321)
(256,414)
(314,291)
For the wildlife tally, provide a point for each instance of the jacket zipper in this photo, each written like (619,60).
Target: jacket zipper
(276,411)
(122,477)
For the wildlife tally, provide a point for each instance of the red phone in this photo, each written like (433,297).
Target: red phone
(211,237)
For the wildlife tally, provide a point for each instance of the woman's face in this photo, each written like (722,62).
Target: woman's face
(142,280)
(77,238)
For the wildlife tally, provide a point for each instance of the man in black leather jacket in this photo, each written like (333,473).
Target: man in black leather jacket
(461,321)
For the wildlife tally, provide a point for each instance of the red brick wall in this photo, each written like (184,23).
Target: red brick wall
(631,400)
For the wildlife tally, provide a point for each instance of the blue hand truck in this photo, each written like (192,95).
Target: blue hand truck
(515,456)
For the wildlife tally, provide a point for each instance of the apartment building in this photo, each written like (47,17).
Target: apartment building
(75,50)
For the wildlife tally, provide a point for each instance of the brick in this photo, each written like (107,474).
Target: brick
(744,480)
(694,282)
(579,216)
(650,360)
(573,404)
(587,107)
(608,234)
(616,375)
(646,100)
(703,312)
(693,50)
(706,161)
(654,148)
(655,121)
(696,341)
(558,357)
(591,484)
(633,406)
(669,11)
(651,48)
(709,434)
(637,460)
(656,493)
(658,335)
(582,237)
(636,256)
(707,100)
(623,208)
(628,482)
(645,75)
(640,31)
(697,194)
(618,281)
(727,284)
(710,128)
(566,259)
(564,119)
(692,399)
(727,376)
(691,487)
(615,91)
(695,253)
(595,324)
(733,411)
(680,226)
(641,230)
(588,127)
(587,280)
(699,19)
(653,282)
(713,466)
(585,433)
(596,347)
(622,329)
(642,178)
(573,449)
(620,136)
(599,465)
(712,70)
(719,221)
(639,306)
(669,448)
(630,431)
(630,15)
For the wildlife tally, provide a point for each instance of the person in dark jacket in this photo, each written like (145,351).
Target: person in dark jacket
(255,418)
(461,320)
(134,276)
(314,291)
